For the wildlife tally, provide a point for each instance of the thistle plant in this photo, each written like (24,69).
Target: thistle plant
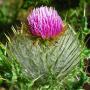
(47,47)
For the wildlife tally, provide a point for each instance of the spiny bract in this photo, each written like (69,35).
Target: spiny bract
(39,60)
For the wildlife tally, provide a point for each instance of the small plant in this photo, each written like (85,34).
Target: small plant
(45,53)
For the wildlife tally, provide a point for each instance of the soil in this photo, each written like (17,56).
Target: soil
(86,86)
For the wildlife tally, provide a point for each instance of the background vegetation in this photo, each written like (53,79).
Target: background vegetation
(75,12)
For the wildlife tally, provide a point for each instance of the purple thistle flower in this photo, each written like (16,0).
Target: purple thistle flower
(45,22)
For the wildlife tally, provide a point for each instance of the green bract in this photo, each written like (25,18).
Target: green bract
(40,59)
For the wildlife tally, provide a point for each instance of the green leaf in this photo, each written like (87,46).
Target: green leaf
(57,58)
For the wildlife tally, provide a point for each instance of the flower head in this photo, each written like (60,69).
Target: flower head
(45,22)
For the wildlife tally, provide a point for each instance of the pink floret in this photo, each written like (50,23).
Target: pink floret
(45,22)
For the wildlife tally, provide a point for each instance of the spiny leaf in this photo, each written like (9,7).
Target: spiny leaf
(57,58)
